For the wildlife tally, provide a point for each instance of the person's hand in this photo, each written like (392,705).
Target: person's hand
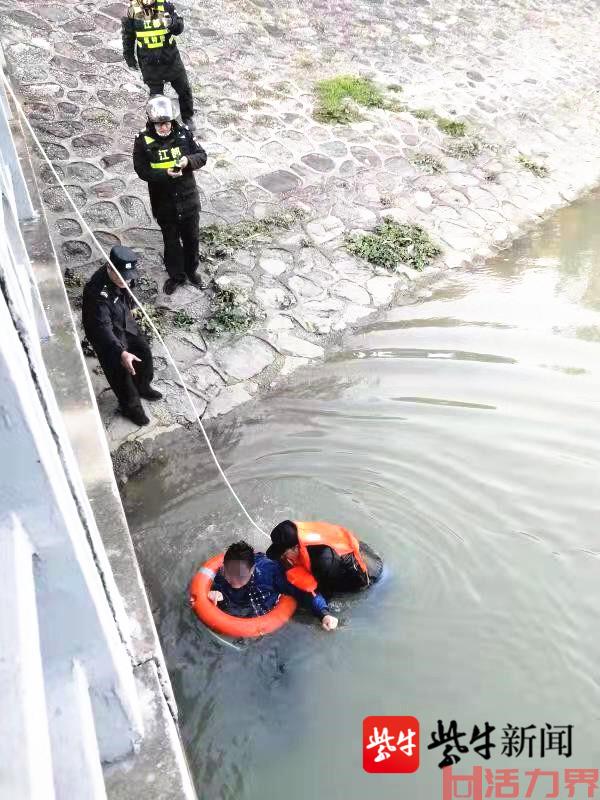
(127,360)
(174,173)
(329,622)
(215,597)
(183,162)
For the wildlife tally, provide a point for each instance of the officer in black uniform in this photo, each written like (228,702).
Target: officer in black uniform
(165,155)
(149,30)
(122,349)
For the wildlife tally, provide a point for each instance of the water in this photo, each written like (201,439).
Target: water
(460,437)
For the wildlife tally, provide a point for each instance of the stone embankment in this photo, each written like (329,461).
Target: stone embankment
(520,78)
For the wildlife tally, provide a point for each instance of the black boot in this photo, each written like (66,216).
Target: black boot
(189,123)
(148,393)
(195,279)
(171,284)
(135,414)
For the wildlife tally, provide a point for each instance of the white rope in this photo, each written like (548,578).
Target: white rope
(153,327)
(138,304)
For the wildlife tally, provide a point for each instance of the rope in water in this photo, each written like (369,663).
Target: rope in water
(152,326)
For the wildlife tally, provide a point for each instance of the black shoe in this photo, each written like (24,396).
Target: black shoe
(189,123)
(148,393)
(195,279)
(171,284)
(135,414)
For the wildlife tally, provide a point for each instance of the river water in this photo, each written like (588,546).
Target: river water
(459,436)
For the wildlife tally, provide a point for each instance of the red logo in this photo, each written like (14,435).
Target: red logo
(390,744)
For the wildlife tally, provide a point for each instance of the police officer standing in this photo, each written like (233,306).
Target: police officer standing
(149,30)
(165,155)
(122,349)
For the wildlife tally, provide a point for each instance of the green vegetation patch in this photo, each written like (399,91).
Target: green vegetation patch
(427,163)
(424,113)
(155,314)
(72,278)
(539,170)
(392,244)
(451,127)
(181,319)
(221,240)
(232,312)
(466,148)
(335,96)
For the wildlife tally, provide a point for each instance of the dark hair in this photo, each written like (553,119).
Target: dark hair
(286,533)
(240,551)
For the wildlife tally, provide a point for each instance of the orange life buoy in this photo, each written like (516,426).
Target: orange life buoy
(227,624)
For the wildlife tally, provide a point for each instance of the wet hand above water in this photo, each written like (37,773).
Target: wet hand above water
(215,597)
(329,622)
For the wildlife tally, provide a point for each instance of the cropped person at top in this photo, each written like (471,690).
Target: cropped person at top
(249,585)
(148,33)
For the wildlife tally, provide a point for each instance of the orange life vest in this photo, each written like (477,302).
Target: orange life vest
(339,539)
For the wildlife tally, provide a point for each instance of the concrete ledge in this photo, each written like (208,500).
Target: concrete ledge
(160,751)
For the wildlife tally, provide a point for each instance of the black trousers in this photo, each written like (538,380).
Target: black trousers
(182,241)
(178,79)
(126,386)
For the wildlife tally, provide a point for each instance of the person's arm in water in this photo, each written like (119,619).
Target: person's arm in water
(219,591)
(315,601)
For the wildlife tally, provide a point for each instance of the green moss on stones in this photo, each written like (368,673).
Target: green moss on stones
(231,312)
(392,244)
(539,170)
(451,127)
(337,98)
(181,319)
(221,240)
(427,163)
(156,315)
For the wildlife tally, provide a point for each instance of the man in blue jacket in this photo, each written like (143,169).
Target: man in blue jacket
(249,584)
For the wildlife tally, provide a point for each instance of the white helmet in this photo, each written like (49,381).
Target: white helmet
(160,109)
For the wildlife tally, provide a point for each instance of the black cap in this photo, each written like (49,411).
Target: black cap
(283,536)
(124,261)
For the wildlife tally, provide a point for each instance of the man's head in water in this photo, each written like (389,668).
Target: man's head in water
(238,564)
(285,542)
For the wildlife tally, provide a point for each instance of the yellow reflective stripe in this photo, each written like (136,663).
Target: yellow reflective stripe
(163,165)
(148,139)
(152,45)
(152,32)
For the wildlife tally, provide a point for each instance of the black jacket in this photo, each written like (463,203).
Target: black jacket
(107,317)
(335,573)
(171,198)
(149,58)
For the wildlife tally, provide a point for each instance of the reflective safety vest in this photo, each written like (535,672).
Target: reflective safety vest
(150,33)
(339,539)
(161,157)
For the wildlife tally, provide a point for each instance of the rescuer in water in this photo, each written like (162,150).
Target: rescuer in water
(149,31)
(325,558)
(249,584)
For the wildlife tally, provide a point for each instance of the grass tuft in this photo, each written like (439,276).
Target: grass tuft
(392,244)
(451,127)
(467,148)
(155,314)
(337,98)
(181,319)
(427,163)
(539,170)
(232,312)
(222,240)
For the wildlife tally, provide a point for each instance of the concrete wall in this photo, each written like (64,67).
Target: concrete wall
(71,676)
